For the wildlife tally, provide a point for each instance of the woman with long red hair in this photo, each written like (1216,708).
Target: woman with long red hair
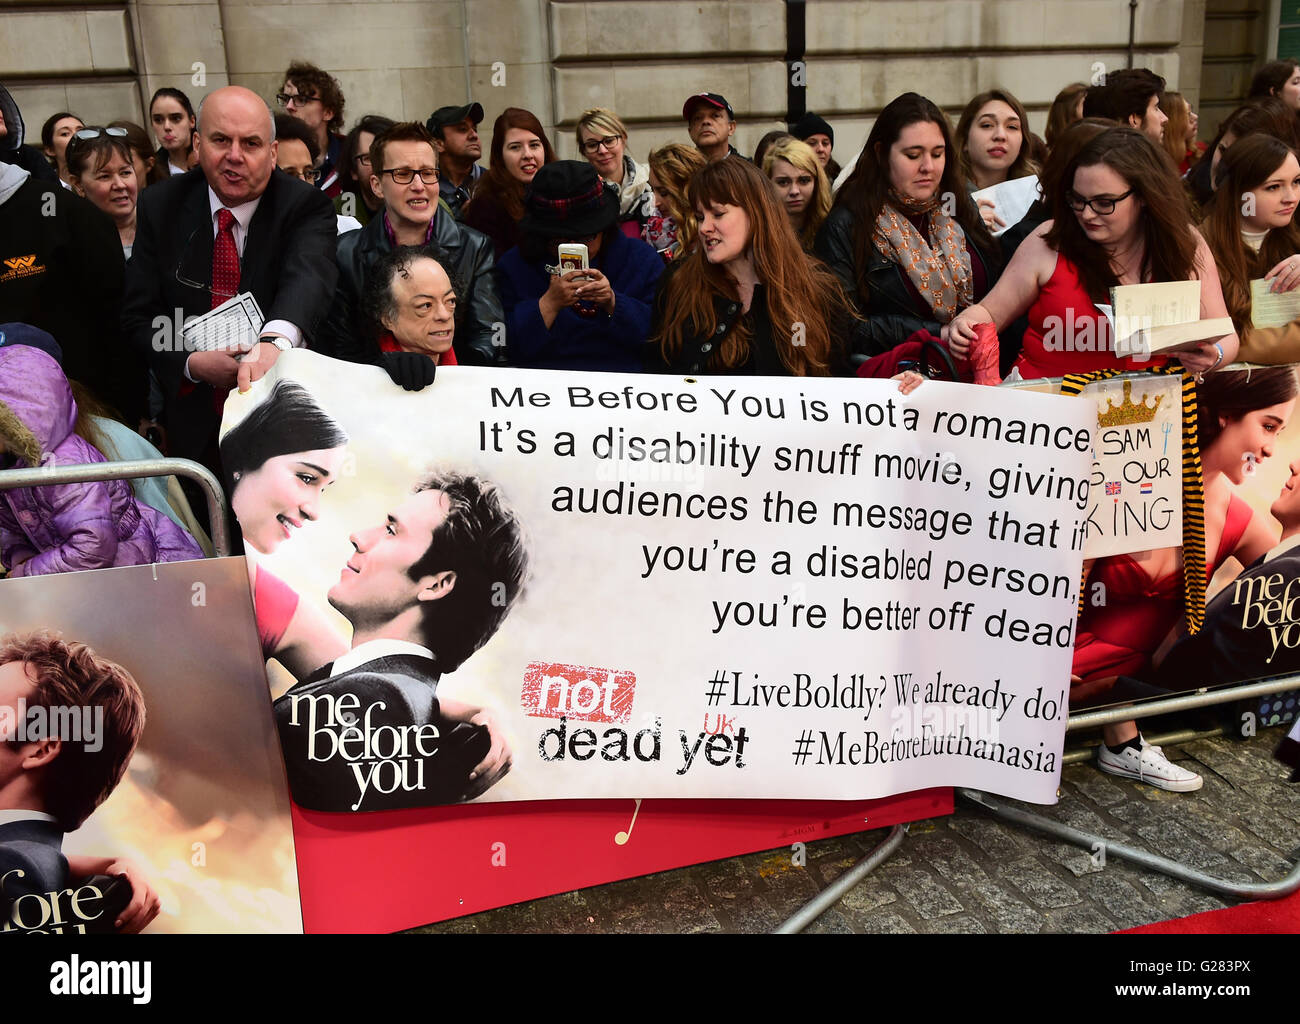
(747,299)
(519,149)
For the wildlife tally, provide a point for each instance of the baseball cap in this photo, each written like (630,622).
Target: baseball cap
(444,116)
(711,98)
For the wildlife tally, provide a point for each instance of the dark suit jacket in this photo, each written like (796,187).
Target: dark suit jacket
(31,861)
(1224,652)
(400,691)
(288,264)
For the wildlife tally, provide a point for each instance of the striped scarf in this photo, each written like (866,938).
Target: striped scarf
(1193,493)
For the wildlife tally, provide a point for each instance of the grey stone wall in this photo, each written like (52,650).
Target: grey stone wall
(641,57)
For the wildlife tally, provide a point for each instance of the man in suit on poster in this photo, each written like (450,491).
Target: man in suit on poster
(69,725)
(1252,626)
(423,590)
(231,225)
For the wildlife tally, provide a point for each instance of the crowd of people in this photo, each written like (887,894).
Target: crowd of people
(391,244)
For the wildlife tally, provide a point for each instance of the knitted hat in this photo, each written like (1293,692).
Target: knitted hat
(811,124)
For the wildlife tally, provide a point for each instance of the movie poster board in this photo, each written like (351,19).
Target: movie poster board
(201,809)
(1133,600)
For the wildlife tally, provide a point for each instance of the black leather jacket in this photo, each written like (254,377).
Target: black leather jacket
(892,312)
(480,321)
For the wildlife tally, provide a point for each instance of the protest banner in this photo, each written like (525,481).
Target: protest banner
(747,588)
(135,698)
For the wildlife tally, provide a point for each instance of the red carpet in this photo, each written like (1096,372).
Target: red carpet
(1266,917)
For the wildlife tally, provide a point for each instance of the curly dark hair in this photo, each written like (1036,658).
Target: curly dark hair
(308,78)
(377,300)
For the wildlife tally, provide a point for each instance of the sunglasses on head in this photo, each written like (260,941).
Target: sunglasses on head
(86,134)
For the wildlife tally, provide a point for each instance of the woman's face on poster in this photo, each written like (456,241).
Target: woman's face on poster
(1247,441)
(283,495)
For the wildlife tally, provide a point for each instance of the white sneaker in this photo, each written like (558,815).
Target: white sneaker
(1150,766)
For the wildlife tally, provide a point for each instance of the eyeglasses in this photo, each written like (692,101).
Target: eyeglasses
(86,134)
(297,99)
(189,282)
(362,158)
(592,145)
(404,175)
(1103,206)
(311,175)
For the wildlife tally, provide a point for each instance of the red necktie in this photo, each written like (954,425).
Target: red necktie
(225,260)
(225,278)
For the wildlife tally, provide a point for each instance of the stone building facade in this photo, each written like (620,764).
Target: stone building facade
(641,57)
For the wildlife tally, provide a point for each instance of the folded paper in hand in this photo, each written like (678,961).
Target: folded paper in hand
(1161,317)
(235,324)
(1272,309)
(1011,199)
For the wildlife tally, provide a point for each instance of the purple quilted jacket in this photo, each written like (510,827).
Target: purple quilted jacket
(67,527)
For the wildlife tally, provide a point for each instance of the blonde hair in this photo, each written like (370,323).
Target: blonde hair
(674,165)
(800,156)
(600,119)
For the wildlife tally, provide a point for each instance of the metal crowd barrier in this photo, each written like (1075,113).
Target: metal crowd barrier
(1204,697)
(1092,842)
(96,472)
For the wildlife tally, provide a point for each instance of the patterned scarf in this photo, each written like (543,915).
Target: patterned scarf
(1193,493)
(940,270)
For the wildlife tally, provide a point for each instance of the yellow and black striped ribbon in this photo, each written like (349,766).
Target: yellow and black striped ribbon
(1193,492)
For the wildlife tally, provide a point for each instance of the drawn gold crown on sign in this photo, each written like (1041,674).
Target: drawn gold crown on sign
(1128,412)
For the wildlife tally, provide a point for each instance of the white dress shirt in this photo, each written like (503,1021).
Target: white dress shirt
(243,217)
(373,650)
(1282,547)
(21,814)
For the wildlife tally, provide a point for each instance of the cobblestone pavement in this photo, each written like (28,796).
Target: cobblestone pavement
(971,873)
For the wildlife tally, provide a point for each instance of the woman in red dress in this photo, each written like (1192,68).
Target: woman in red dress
(1119,219)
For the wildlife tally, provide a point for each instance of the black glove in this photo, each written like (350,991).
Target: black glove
(412,370)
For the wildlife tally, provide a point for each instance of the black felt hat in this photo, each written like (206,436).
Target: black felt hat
(567,198)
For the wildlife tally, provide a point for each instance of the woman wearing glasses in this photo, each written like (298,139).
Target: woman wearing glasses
(520,149)
(101,169)
(602,138)
(1119,219)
